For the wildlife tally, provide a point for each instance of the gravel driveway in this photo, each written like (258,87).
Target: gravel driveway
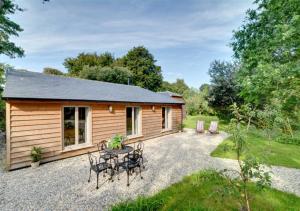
(63,184)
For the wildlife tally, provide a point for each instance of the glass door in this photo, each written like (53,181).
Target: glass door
(75,125)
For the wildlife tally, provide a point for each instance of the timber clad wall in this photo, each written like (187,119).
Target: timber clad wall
(39,123)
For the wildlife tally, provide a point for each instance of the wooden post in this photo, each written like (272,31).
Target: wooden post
(7,116)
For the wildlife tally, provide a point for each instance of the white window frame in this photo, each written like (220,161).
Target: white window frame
(168,118)
(88,141)
(139,121)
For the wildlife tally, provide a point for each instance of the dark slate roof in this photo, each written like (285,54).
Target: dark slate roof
(33,85)
(171,94)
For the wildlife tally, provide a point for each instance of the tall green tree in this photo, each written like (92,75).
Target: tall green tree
(75,65)
(119,75)
(196,102)
(204,87)
(9,28)
(3,69)
(52,71)
(2,103)
(268,47)
(178,87)
(144,71)
(224,89)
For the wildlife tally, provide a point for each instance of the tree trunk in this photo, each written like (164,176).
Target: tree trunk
(289,127)
(247,201)
(249,122)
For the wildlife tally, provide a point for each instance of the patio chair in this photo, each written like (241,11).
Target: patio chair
(130,162)
(213,128)
(99,167)
(139,150)
(200,127)
(104,155)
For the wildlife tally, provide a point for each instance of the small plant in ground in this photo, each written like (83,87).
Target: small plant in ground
(36,154)
(116,142)
(249,169)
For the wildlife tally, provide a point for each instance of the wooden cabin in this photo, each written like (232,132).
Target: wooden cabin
(69,116)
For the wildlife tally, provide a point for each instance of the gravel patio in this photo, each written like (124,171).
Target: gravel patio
(63,184)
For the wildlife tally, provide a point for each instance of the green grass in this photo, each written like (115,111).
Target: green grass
(274,154)
(199,192)
(190,121)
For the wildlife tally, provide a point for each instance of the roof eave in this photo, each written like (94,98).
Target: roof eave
(83,100)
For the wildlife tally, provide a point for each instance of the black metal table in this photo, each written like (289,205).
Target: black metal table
(125,150)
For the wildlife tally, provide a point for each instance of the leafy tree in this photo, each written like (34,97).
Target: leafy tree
(109,74)
(9,28)
(248,113)
(196,102)
(204,88)
(75,65)
(223,89)
(268,117)
(178,87)
(267,45)
(52,71)
(3,69)
(2,103)
(118,62)
(144,71)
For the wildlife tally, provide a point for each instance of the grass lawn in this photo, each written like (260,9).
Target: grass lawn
(199,192)
(190,121)
(275,154)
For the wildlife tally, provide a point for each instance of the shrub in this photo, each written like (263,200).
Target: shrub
(36,154)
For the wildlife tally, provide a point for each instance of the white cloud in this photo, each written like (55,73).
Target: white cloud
(61,29)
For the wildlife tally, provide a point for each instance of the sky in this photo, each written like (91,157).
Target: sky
(184,36)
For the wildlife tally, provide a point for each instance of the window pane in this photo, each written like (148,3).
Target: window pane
(163,113)
(136,120)
(129,121)
(69,126)
(82,127)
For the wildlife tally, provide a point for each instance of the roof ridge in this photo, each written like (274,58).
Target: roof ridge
(71,77)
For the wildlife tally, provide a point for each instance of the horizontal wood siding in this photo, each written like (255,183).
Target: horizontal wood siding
(34,124)
(40,124)
(106,124)
(152,121)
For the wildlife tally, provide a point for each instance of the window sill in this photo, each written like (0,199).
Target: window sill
(73,148)
(134,136)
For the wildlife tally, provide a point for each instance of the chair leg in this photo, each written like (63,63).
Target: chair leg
(127,177)
(112,173)
(143,162)
(116,168)
(140,171)
(97,180)
(90,175)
